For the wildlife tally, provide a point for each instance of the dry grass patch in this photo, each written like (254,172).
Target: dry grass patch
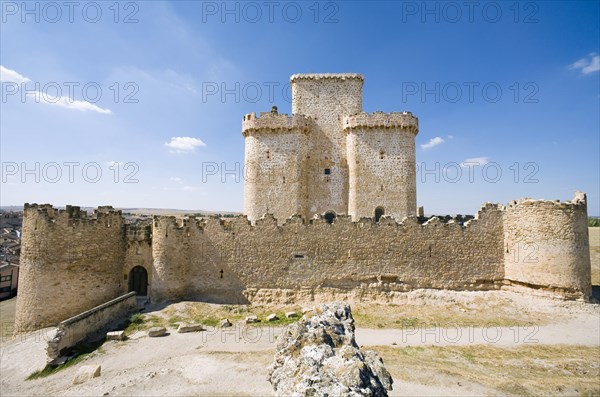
(525,370)
(209,314)
(480,312)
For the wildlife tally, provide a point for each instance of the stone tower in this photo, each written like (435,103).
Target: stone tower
(328,158)
(381,162)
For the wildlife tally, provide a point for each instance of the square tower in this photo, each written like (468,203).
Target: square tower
(326,99)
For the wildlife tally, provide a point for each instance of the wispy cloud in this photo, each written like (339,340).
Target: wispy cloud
(190,188)
(587,65)
(475,161)
(184,144)
(66,102)
(12,76)
(176,179)
(432,142)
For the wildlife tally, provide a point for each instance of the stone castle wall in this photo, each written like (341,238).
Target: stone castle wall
(343,255)
(546,245)
(69,263)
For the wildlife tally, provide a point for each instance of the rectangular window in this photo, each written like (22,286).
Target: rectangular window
(6,278)
(327,171)
(5,289)
(299,256)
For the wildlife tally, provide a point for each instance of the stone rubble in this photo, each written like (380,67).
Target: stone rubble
(318,356)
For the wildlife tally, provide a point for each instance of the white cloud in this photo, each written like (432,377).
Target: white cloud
(475,161)
(587,65)
(67,103)
(190,188)
(176,179)
(9,75)
(184,144)
(432,142)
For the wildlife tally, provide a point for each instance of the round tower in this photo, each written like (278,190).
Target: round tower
(546,245)
(381,163)
(275,158)
(69,263)
(172,258)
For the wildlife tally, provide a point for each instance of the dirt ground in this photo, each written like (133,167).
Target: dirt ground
(539,346)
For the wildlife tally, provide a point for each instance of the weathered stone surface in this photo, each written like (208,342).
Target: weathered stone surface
(115,335)
(272,317)
(251,319)
(291,314)
(157,331)
(318,356)
(194,327)
(225,323)
(85,373)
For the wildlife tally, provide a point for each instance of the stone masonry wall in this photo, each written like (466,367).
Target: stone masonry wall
(381,161)
(546,244)
(91,324)
(69,263)
(343,255)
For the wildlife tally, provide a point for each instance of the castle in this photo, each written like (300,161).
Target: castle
(330,213)
(328,157)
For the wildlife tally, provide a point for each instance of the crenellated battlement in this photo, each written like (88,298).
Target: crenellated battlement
(326,76)
(269,221)
(275,122)
(141,231)
(579,201)
(72,214)
(381,120)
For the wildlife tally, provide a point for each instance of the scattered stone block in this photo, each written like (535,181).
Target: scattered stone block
(272,317)
(184,328)
(115,335)
(291,314)
(307,310)
(157,331)
(85,373)
(225,323)
(251,319)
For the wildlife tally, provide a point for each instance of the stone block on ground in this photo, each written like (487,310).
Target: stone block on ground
(272,317)
(115,335)
(225,323)
(194,327)
(251,319)
(157,331)
(291,314)
(85,373)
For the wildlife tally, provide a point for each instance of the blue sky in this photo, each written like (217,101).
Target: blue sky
(139,104)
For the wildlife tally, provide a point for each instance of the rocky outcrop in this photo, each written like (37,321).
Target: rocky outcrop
(318,356)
